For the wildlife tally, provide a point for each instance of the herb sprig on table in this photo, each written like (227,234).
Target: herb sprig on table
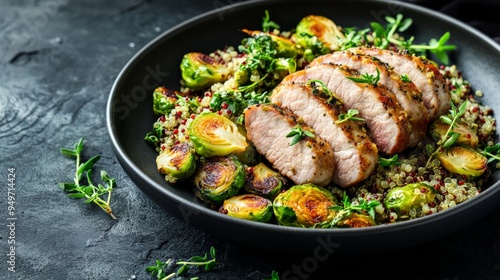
(82,185)
(160,269)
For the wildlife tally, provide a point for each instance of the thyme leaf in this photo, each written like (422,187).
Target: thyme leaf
(82,185)
(367,78)
(298,133)
(386,162)
(350,115)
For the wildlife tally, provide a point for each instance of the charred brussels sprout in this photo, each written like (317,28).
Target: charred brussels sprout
(249,207)
(284,46)
(304,205)
(318,35)
(467,136)
(219,178)
(413,196)
(464,161)
(215,135)
(200,71)
(356,220)
(163,100)
(262,180)
(178,162)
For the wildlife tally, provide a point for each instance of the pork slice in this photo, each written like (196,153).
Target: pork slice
(308,161)
(386,121)
(421,72)
(407,94)
(355,155)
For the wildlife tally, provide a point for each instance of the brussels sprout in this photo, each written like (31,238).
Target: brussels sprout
(305,205)
(163,100)
(249,207)
(284,46)
(317,34)
(281,67)
(177,162)
(412,196)
(219,178)
(356,220)
(262,180)
(467,135)
(215,135)
(464,161)
(200,71)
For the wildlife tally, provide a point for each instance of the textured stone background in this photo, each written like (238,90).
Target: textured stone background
(58,60)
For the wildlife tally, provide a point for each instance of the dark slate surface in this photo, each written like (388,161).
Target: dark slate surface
(58,60)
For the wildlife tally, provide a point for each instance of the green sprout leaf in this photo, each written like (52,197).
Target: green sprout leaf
(367,78)
(386,162)
(350,115)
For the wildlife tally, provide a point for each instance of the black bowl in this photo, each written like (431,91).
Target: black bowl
(129,118)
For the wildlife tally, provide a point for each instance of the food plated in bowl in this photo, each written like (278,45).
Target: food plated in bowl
(179,198)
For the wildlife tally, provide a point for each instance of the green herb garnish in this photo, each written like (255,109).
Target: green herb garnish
(324,88)
(350,115)
(492,152)
(79,189)
(267,23)
(450,137)
(160,269)
(347,208)
(298,133)
(274,276)
(405,78)
(386,162)
(367,78)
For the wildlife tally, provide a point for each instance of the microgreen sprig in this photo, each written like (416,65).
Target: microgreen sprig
(78,189)
(268,24)
(404,78)
(386,162)
(160,269)
(347,208)
(367,78)
(298,133)
(350,115)
(450,137)
(492,152)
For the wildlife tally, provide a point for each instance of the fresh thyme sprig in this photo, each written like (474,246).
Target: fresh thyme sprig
(347,208)
(332,96)
(405,78)
(450,137)
(78,188)
(160,269)
(367,78)
(298,133)
(350,115)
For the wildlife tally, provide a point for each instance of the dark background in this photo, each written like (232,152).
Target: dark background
(58,61)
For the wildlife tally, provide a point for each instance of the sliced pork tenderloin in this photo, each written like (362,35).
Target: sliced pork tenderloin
(421,72)
(308,161)
(355,155)
(407,94)
(387,122)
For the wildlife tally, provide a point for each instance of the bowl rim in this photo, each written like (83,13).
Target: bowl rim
(125,160)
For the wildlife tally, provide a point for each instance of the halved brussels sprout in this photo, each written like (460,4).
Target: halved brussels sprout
(284,46)
(219,178)
(356,220)
(464,161)
(200,71)
(177,162)
(467,135)
(163,100)
(263,181)
(305,206)
(215,135)
(412,196)
(318,34)
(249,207)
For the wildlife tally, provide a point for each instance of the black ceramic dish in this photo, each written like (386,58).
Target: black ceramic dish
(129,117)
